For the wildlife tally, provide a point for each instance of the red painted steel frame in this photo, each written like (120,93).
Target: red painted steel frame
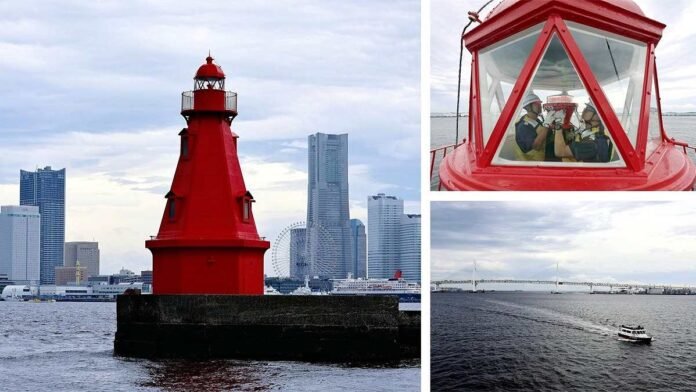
(641,143)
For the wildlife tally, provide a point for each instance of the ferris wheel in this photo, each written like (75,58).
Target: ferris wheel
(290,252)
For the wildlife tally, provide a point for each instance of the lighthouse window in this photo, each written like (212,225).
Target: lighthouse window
(555,123)
(619,66)
(246,209)
(184,146)
(654,126)
(172,209)
(499,68)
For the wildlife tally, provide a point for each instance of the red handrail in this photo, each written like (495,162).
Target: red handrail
(433,155)
(683,145)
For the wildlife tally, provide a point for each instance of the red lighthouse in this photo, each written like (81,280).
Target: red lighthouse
(207,241)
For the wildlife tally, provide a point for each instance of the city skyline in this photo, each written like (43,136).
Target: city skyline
(111,118)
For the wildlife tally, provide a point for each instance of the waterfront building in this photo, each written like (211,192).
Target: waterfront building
(45,188)
(383,229)
(4,281)
(75,275)
(393,239)
(20,235)
(146,276)
(125,276)
(86,253)
(410,247)
(359,243)
(329,250)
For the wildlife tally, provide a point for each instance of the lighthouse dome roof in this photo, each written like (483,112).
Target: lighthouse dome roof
(209,70)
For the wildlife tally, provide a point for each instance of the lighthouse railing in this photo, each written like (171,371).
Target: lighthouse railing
(187,100)
(437,155)
(231,101)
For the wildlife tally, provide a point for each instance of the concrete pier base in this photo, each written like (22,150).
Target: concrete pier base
(311,328)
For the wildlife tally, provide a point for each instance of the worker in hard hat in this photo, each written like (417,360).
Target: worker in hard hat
(534,141)
(589,144)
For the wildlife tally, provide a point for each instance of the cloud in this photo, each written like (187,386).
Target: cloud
(649,242)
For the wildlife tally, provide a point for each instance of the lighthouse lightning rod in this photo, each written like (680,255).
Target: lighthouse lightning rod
(473,17)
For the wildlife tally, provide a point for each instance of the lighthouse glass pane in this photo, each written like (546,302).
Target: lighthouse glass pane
(577,135)
(618,64)
(654,126)
(246,210)
(184,146)
(499,67)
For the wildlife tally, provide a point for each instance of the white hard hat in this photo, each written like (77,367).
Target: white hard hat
(591,107)
(530,99)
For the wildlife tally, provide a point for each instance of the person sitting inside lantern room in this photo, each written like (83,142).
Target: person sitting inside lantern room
(534,142)
(589,144)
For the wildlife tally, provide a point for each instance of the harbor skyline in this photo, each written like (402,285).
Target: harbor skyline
(120,166)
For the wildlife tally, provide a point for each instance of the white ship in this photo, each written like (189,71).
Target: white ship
(405,290)
(634,334)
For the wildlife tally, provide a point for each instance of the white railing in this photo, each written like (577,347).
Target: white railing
(231,101)
(187,100)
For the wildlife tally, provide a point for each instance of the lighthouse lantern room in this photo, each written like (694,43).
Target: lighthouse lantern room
(564,95)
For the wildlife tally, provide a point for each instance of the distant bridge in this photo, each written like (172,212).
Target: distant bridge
(474,283)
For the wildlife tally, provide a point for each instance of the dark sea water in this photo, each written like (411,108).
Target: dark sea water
(567,342)
(68,347)
(443,130)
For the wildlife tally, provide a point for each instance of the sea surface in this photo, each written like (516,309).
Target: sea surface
(69,347)
(443,133)
(564,342)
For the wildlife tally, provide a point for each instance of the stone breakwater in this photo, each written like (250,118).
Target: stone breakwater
(309,328)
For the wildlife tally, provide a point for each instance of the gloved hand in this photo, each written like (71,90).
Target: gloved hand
(559,116)
(548,120)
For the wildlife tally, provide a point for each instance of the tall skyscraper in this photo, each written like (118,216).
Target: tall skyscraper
(45,188)
(383,230)
(410,247)
(329,251)
(20,228)
(87,253)
(393,239)
(359,243)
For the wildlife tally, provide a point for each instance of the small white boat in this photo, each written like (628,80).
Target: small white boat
(634,334)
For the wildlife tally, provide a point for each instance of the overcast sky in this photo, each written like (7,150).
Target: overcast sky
(94,86)
(676,54)
(629,242)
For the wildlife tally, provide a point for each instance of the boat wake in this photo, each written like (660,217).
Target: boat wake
(547,316)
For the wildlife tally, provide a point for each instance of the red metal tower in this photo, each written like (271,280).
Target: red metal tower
(207,241)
